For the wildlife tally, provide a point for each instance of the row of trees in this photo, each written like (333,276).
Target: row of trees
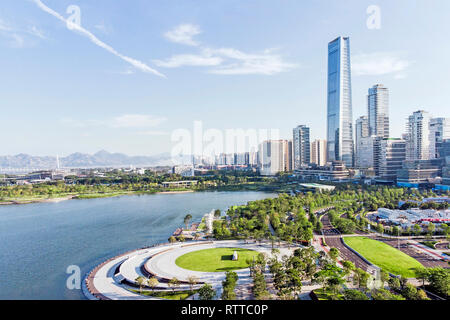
(257,269)
(228,285)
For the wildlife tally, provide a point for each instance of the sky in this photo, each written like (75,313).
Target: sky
(123,76)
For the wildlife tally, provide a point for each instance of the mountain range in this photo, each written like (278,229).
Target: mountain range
(82,160)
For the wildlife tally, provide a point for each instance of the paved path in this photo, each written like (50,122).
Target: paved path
(107,280)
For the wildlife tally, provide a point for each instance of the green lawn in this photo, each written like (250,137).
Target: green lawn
(177,295)
(384,256)
(215,260)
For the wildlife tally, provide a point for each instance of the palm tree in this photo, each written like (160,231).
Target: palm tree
(174,283)
(152,282)
(192,281)
(140,281)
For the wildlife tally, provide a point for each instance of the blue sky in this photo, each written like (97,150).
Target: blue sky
(231,64)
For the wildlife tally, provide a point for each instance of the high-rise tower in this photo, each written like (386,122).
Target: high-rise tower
(301,144)
(339,102)
(378,111)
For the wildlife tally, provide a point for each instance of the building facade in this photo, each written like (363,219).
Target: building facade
(361,131)
(365,152)
(389,154)
(439,131)
(319,152)
(378,111)
(301,146)
(418,136)
(339,102)
(274,156)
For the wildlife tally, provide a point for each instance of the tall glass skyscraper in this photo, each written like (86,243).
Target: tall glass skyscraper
(339,102)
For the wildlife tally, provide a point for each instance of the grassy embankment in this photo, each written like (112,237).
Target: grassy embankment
(384,256)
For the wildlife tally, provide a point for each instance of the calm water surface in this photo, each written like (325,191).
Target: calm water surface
(39,241)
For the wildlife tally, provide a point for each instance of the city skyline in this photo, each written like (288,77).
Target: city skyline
(134,112)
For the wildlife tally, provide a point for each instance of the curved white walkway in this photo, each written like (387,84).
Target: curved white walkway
(103,283)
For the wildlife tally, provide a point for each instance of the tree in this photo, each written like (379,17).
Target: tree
(174,283)
(334,253)
(431,228)
(229,285)
(152,282)
(439,279)
(350,294)
(380,228)
(394,284)
(172,239)
(206,292)
(422,274)
(275,252)
(187,219)
(384,275)
(361,278)
(383,294)
(417,229)
(217,213)
(349,267)
(192,280)
(140,281)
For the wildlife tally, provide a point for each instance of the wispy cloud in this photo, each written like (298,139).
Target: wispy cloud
(122,121)
(224,61)
(183,34)
(266,63)
(379,63)
(19,38)
(136,121)
(136,63)
(153,133)
(35,31)
(189,60)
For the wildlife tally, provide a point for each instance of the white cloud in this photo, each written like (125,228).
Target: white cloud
(225,61)
(153,133)
(136,63)
(136,121)
(122,121)
(266,63)
(4,26)
(19,38)
(35,31)
(188,60)
(183,34)
(379,63)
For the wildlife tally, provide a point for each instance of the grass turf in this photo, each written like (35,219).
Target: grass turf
(169,295)
(215,260)
(384,256)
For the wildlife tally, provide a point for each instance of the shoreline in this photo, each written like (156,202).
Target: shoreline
(95,196)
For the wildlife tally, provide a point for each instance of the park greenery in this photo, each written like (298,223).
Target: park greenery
(294,218)
(215,259)
(384,256)
(229,286)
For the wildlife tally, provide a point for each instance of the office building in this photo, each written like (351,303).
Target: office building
(301,146)
(420,171)
(361,131)
(389,154)
(339,102)
(378,111)
(439,131)
(365,152)
(418,136)
(275,156)
(319,152)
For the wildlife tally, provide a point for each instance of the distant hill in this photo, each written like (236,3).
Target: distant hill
(82,160)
